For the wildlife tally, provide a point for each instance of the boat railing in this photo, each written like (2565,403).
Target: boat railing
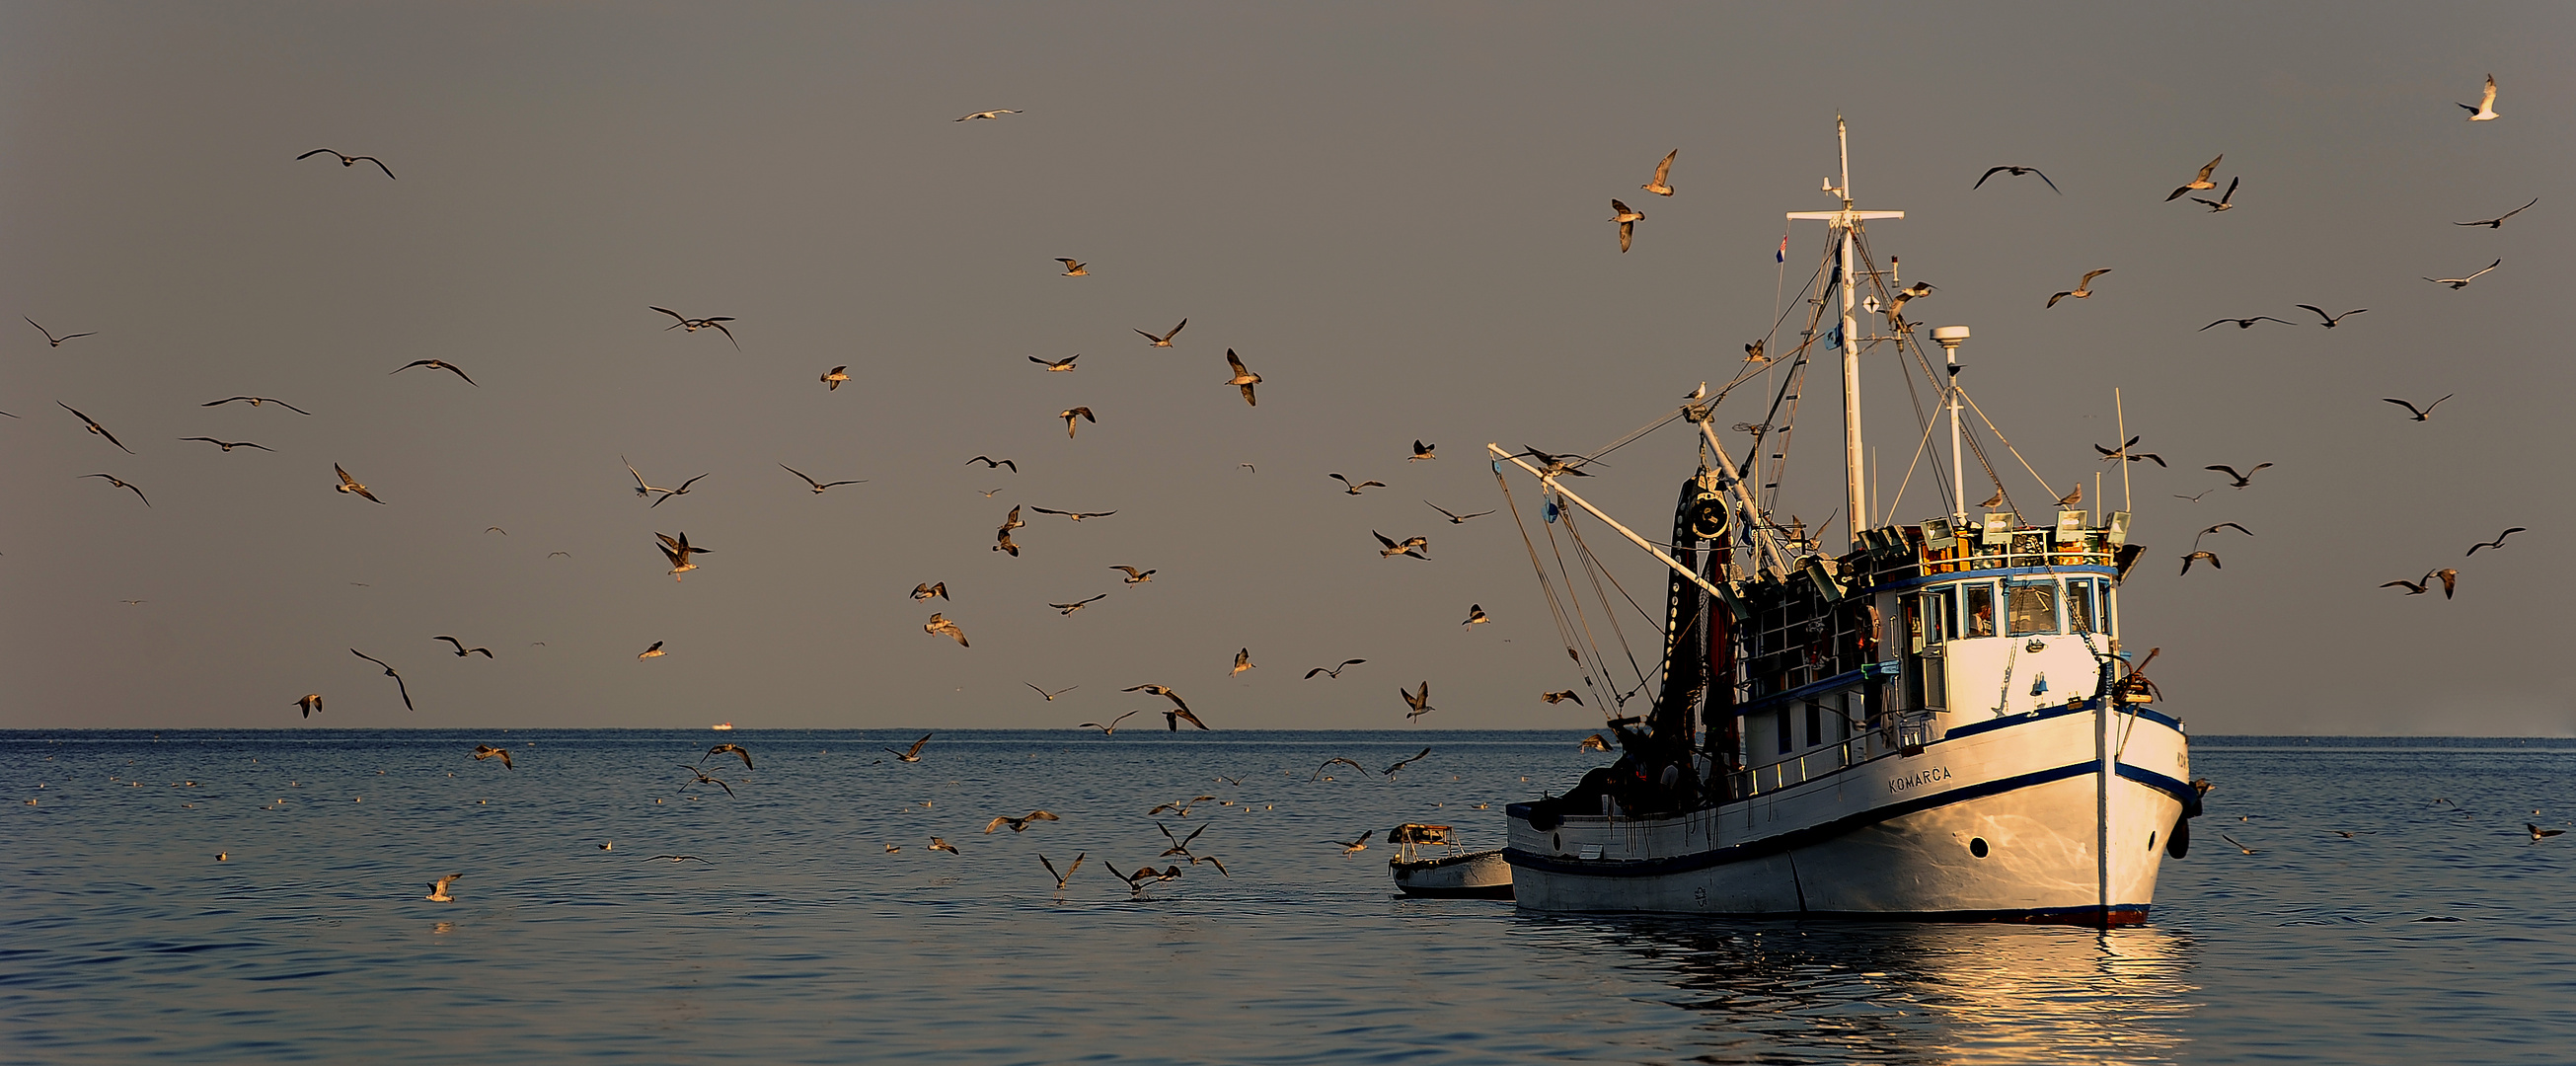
(1800,770)
(2022,547)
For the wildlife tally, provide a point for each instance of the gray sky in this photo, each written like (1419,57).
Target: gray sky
(1395,214)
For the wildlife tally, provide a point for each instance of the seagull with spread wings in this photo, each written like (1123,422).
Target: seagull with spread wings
(993,114)
(1335,672)
(1110,727)
(1068,608)
(1243,379)
(1074,515)
(735,749)
(2457,284)
(58,341)
(2498,221)
(1135,576)
(2016,172)
(990,463)
(350,484)
(2485,111)
(1663,171)
(112,480)
(1353,487)
(1069,414)
(939,625)
(2332,320)
(1627,218)
(434,364)
(2248,323)
(1050,696)
(2241,480)
(1423,451)
(1402,763)
(678,549)
(256,401)
(352,160)
(693,325)
(229,445)
(2421,414)
(1413,546)
(94,427)
(486,751)
(1164,341)
(2223,203)
(389,672)
(1417,704)
(461,650)
(1454,518)
(1074,269)
(819,486)
(833,378)
(914,753)
(2083,290)
(1058,366)
(2200,182)
(2498,542)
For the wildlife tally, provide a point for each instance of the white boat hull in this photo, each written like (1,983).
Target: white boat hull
(2011,820)
(1479,875)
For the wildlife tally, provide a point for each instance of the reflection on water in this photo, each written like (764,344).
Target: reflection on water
(1898,993)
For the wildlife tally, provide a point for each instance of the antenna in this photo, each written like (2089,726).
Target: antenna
(1949,338)
(1839,225)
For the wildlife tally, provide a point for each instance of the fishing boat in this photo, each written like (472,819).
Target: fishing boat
(1428,861)
(1936,721)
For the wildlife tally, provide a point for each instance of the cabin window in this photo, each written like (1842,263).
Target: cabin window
(2080,614)
(1938,626)
(1981,611)
(2034,608)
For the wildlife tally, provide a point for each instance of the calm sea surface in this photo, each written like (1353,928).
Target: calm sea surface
(2433,934)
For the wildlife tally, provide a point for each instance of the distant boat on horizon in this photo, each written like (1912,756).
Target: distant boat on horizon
(722,727)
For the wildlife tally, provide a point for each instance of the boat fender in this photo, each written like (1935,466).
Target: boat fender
(2178,842)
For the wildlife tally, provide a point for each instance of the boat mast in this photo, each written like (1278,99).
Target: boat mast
(1840,225)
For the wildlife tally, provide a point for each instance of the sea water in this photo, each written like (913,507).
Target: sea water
(2436,932)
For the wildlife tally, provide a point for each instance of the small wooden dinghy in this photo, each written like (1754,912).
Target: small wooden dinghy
(1428,862)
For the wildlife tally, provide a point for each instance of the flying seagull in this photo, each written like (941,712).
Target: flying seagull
(2331,320)
(2421,413)
(1059,366)
(1561,695)
(1627,218)
(1417,704)
(2248,323)
(683,490)
(833,378)
(2498,542)
(1475,615)
(311,702)
(58,341)
(641,488)
(2016,172)
(735,749)
(703,779)
(229,445)
(389,672)
(1242,662)
(926,590)
(435,364)
(352,160)
(1243,379)
(438,889)
(2485,111)
(112,480)
(693,325)
(995,114)
(1069,608)
(1074,515)
(1164,341)
(1401,763)
(914,753)
(678,549)
(1335,672)
(1354,488)
(486,751)
(2126,451)
(1073,269)
(1454,518)
(1083,413)
(2200,182)
(256,401)
(654,652)
(1135,576)
(94,427)
(2241,479)
(1353,847)
(2223,203)
(1422,451)
(2195,540)
(2211,556)
(990,463)
(2462,283)
(1413,546)
(1110,728)
(2490,223)
(1663,170)
(461,650)
(819,486)
(350,484)
(2082,290)
(939,624)
(1020,824)
(1067,875)
(1050,696)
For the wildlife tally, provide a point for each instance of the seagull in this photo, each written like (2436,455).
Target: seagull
(1212,861)
(1067,875)
(1454,518)
(94,427)
(1334,671)
(1354,489)
(1064,365)
(914,754)
(641,489)
(112,480)
(1475,615)
(1417,704)
(2223,203)
(1997,498)
(1663,170)
(2211,556)
(654,652)
(2248,323)
(2195,540)
(1353,847)
(2450,580)
(678,549)
(927,590)
(1164,341)
(1075,515)
(434,364)
(833,378)
(1179,808)
(736,749)
(2195,497)
(1401,763)
(461,650)
(1422,451)
(1073,269)
(683,490)
(939,624)
(350,484)
(1413,546)
(1180,845)
(1083,413)
(496,529)
(351,161)
(1561,695)
(311,702)
(2462,283)
(1556,464)
(1242,662)
(1110,728)
(2485,111)
(2421,414)
(389,672)
(2413,588)
(58,341)
(1242,378)
(704,779)
(989,114)
(2201,182)
(2241,479)
(2124,452)
(1895,313)
(1753,353)
(2017,172)
(486,751)
(2490,223)
(1595,742)
(2331,320)
(1135,576)
(438,889)
(818,485)
(2083,289)
(2068,500)
(2240,845)
(1321,767)
(2496,543)
(990,463)
(693,325)
(1137,881)
(1627,220)
(1166,693)
(2538,834)
(1002,542)
(256,401)
(1069,608)
(1012,521)
(1050,696)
